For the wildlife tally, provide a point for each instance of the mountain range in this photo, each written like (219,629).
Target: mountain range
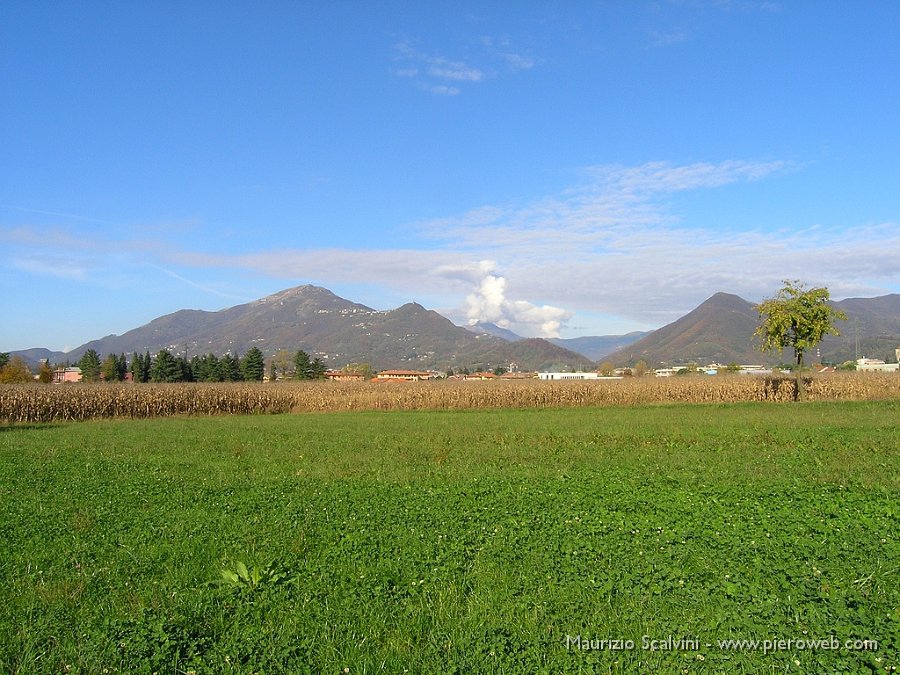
(340,331)
(327,326)
(720,330)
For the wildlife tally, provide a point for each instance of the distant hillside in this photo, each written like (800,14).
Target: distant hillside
(487,328)
(721,330)
(878,322)
(598,347)
(337,330)
(594,347)
(718,330)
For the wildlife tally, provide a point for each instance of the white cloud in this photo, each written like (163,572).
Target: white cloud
(449,70)
(444,90)
(54,266)
(489,304)
(609,246)
(441,75)
(517,62)
(666,38)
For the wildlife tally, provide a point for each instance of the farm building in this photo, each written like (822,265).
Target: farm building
(568,376)
(403,375)
(875,366)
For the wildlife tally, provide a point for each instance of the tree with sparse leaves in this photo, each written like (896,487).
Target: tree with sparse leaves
(797,317)
(45,372)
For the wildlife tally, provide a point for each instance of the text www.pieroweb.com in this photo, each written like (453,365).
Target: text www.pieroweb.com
(685,644)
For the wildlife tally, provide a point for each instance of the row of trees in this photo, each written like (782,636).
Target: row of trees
(166,367)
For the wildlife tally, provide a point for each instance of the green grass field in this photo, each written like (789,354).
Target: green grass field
(455,542)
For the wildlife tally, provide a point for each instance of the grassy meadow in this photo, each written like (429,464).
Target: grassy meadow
(475,541)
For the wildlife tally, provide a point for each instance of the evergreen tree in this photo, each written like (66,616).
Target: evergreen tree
(302,366)
(213,368)
(4,358)
(206,368)
(122,366)
(140,367)
(253,365)
(317,369)
(183,372)
(165,367)
(90,366)
(109,369)
(230,368)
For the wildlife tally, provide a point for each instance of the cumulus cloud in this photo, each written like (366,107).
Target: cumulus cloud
(490,304)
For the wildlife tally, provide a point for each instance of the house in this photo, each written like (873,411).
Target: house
(402,376)
(67,375)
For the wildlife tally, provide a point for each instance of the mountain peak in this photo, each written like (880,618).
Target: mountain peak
(722,300)
(304,291)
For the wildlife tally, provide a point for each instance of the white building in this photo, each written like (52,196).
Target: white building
(568,376)
(875,366)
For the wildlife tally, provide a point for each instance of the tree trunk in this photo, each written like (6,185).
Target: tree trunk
(798,388)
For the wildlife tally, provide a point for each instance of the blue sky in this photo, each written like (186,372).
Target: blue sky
(580,168)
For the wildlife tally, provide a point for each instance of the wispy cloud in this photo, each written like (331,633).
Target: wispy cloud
(442,75)
(731,5)
(65,268)
(201,287)
(454,70)
(671,36)
(434,72)
(610,245)
(444,90)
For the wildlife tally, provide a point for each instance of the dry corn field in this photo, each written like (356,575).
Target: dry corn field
(47,403)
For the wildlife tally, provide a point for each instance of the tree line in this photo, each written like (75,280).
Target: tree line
(167,367)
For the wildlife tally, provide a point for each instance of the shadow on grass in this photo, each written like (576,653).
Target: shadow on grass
(27,426)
